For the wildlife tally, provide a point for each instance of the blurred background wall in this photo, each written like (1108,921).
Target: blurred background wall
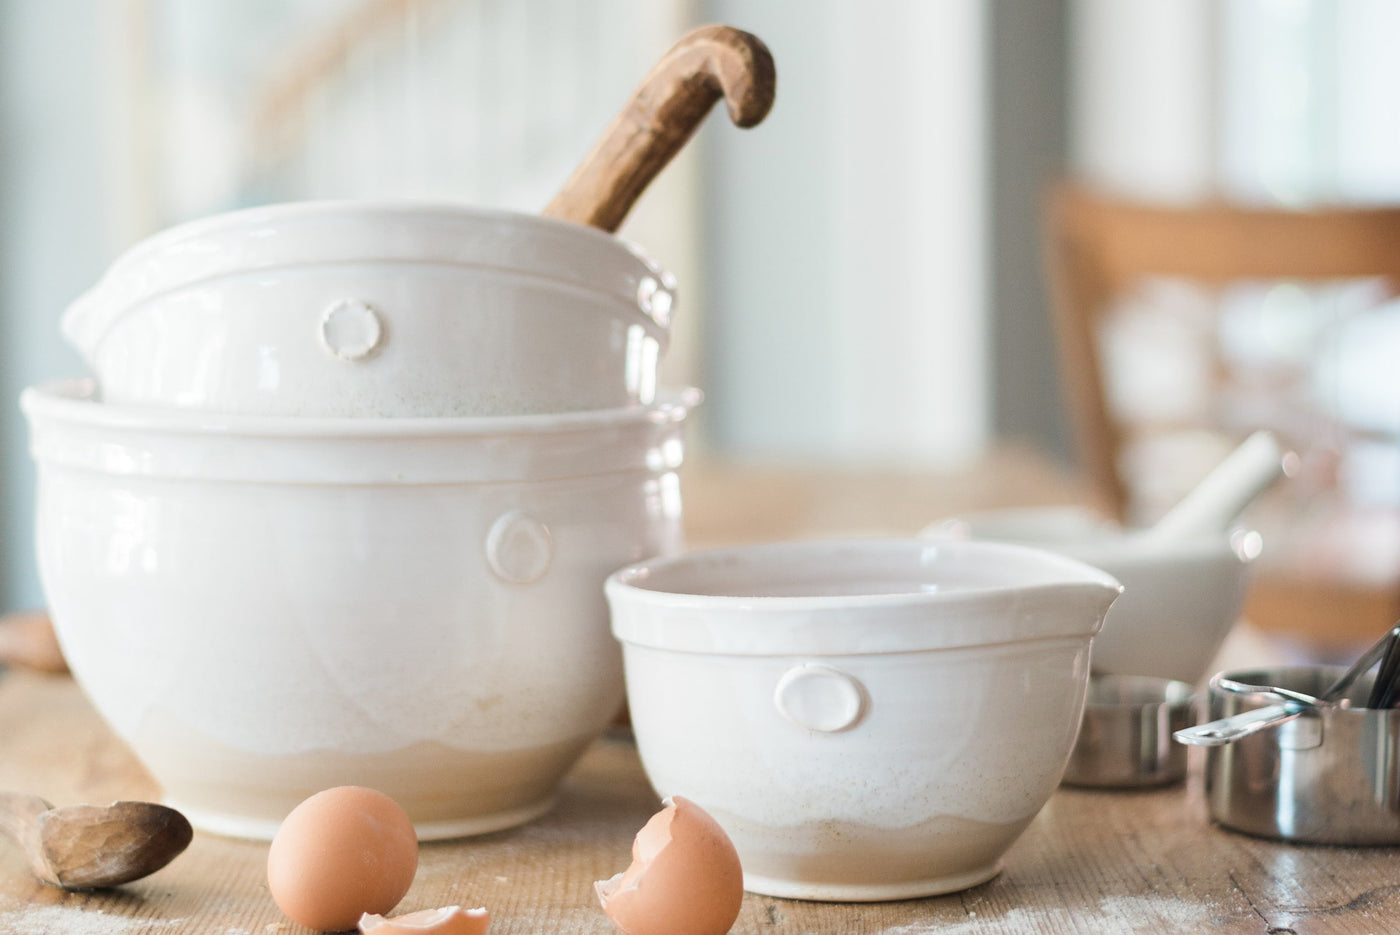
(861,274)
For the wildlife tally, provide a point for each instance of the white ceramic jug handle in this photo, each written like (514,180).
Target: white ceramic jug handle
(820,698)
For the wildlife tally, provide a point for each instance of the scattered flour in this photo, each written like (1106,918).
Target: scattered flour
(1116,916)
(70,920)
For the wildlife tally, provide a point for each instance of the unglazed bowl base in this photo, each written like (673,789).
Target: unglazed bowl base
(869,893)
(260,829)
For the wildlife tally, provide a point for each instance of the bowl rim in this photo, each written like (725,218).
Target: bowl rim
(75,401)
(837,624)
(319,207)
(299,234)
(624,580)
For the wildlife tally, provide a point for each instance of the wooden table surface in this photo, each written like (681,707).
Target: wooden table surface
(1092,862)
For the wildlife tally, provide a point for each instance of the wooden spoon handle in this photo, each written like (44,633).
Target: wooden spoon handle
(18,812)
(19,821)
(665,110)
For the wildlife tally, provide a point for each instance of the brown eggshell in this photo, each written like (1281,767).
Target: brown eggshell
(450,920)
(684,879)
(339,854)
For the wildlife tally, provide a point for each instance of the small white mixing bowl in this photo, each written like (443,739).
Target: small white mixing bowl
(368,309)
(866,719)
(266,607)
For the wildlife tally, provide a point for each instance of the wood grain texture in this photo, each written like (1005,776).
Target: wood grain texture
(1092,862)
(730,504)
(708,64)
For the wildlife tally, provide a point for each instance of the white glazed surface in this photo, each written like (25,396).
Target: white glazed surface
(867,720)
(364,309)
(1179,601)
(267,607)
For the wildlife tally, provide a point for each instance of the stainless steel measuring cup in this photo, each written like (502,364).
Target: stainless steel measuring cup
(1330,774)
(1125,737)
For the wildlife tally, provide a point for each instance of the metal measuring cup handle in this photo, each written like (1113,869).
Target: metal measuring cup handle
(1229,729)
(1268,691)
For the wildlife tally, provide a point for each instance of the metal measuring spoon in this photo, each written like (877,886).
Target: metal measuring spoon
(1385,693)
(1229,729)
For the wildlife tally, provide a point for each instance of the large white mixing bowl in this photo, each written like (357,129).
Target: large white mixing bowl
(377,309)
(265,607)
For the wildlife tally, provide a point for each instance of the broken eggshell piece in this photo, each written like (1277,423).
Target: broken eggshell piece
(685,877)
(449,920)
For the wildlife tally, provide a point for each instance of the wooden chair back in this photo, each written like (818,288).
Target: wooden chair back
(1098,247)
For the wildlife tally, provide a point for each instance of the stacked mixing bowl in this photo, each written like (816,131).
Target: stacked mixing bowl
(339,503)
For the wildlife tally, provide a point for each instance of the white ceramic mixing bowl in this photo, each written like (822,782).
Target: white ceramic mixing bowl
(866,719)
(365,309)
(1180,598)
(267,607)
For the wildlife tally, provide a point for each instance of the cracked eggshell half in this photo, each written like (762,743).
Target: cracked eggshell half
(685,877)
